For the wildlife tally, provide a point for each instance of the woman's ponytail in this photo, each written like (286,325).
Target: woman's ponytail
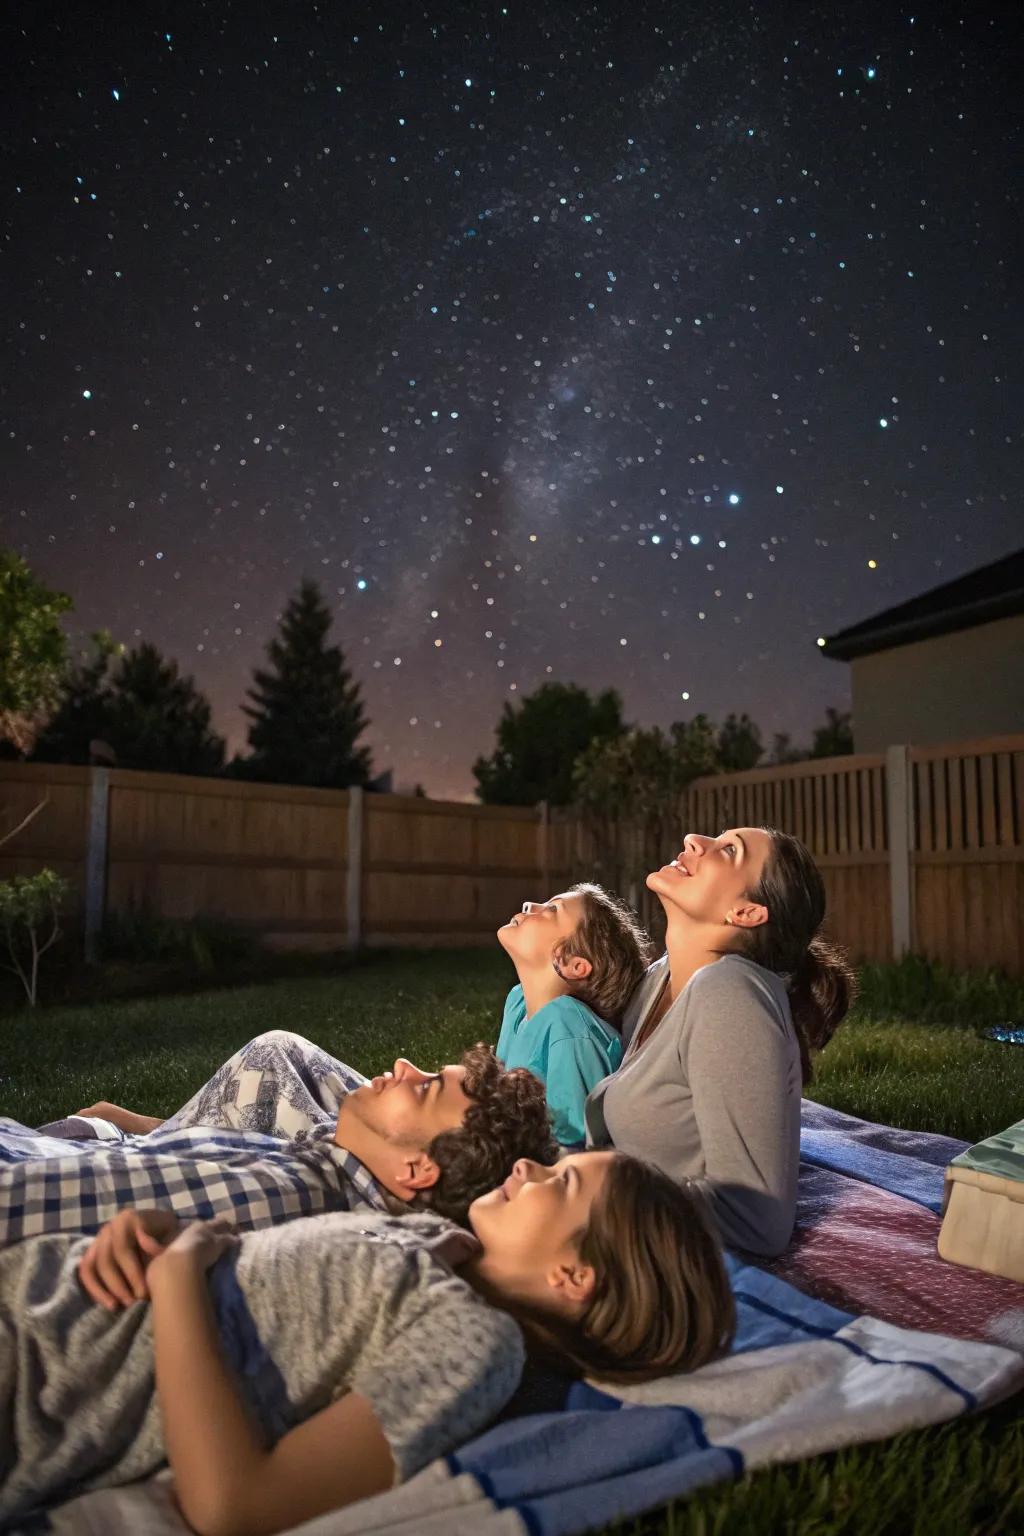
(821,989)
(819,978)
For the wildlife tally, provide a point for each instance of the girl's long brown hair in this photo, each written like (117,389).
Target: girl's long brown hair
(661,1302)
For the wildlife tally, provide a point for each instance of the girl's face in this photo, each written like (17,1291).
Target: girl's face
(530,1227)
(707,882)
(534,935)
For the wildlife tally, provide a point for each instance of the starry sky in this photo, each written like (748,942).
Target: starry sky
(632,345)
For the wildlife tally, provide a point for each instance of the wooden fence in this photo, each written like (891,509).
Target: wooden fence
(307,868)
(922,848)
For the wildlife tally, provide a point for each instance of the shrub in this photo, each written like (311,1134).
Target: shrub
(137,933)
(29,909)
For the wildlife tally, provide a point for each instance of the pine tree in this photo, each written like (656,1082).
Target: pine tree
(140,706)
(306,711)
(158,720)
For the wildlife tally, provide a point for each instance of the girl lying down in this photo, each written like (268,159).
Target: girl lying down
(302,1367)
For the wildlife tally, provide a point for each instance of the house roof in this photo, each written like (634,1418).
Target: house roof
(994,591)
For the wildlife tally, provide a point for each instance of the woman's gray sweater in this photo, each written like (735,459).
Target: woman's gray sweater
(713,1096)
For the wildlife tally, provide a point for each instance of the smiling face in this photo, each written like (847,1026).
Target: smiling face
(531,1224)
(709,880)
(409,1105)
(535,936)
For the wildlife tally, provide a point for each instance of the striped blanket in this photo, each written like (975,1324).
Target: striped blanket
(857,1332)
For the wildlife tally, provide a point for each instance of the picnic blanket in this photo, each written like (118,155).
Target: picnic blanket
(867,1228)
(804,1376)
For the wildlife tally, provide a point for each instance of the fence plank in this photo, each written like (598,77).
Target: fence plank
(831,842)
(925,836)
(1004,780)
(900,794)
(942,836)
(987,789)
(969,768)
(954,780)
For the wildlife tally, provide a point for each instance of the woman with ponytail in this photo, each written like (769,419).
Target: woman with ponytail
(722,1030)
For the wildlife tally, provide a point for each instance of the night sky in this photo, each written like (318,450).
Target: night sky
(628,345)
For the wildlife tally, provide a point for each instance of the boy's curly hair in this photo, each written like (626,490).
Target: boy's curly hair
(609,935)
(507,1118)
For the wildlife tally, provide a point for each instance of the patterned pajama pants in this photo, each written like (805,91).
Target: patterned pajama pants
(279,1084)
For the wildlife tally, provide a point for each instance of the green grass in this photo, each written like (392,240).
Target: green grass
(912,1055)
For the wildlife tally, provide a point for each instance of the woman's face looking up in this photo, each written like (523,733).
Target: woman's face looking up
(709,879)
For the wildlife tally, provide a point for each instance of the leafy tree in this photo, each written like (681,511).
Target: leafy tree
(835,737)
(306,712)
(783,751)
(539,740)
(33,655)
(739,744)
(83,713)
(641,774)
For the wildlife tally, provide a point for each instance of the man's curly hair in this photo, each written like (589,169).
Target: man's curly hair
(507,1118)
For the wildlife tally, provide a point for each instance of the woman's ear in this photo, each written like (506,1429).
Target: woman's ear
(572,1282)
(747,914)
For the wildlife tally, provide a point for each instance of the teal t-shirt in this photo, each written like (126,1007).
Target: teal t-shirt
(568,1047)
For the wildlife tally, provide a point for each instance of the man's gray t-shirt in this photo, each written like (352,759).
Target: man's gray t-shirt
(307,1311)
(713,1096)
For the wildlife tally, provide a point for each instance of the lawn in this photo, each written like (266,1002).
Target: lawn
(912,1055)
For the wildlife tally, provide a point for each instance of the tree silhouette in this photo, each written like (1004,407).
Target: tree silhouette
(83,713)
(157,719)
(539,740)
(306,711)
(739,744)
(141,706)
(835,737)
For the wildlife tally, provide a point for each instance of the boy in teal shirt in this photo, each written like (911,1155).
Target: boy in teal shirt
(578,957)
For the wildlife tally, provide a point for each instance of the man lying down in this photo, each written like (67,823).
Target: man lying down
(407,1139)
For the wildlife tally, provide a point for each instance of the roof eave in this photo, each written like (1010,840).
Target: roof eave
(847,647)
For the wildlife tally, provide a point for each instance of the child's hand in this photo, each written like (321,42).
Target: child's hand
(113,1268)
(198,1245)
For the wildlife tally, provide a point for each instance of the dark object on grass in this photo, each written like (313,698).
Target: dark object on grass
(1007,1034)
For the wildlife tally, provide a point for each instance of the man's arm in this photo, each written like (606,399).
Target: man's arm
(226,1482)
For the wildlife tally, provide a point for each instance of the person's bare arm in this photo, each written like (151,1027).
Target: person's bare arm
(226,1482)
(125,1119)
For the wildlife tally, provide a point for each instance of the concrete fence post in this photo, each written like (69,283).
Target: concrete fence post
(354,876)
(96,859)
(899,793)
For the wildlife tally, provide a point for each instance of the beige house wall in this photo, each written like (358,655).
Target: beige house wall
(952,687)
